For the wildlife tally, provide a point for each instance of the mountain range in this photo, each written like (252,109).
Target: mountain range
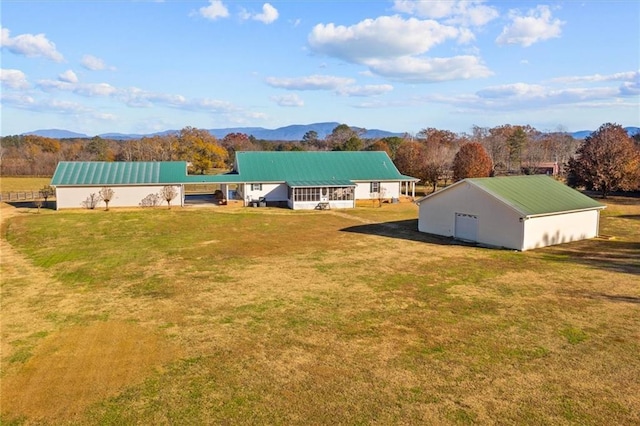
(294,132)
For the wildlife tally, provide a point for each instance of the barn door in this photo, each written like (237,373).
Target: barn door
(466,227)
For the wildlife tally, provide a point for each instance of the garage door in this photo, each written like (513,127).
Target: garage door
(466,227)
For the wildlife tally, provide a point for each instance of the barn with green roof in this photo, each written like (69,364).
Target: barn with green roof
(299,180)
(516,212)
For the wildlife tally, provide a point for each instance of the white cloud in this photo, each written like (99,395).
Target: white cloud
(312,82)
(92,63)
(511,90)
(215,10)
(47,105)
(428,70)
(394,47)
(629,76)
(83,89)
(525,96)
(269,14)
(383,37)
(366,90)
(463,12)
(68,76)
(13,79)
(30,45)
(537,25)
(291,100)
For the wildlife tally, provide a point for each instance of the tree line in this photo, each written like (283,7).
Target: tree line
(433,155)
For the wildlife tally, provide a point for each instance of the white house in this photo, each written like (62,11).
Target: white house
(517,212)
(299,180)
(304,180)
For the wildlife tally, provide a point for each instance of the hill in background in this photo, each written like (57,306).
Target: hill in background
(294,132)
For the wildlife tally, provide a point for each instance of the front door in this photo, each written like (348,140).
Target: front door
(466,227)
(324,195)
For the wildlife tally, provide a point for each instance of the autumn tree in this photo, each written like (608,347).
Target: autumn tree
(471,161)
(344,138)
(106,194)
(437,154)
(394,142)
(201,148)
(380,145)
(409,158)
(234,142)
(99,149)
(607,161)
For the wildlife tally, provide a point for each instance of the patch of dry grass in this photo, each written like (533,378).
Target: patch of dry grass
(16,183)
(287,317)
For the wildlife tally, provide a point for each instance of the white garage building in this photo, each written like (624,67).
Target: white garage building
(131,182)
(517,212)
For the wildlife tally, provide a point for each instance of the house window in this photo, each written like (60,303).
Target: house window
(374,187)
(256,187)
(306,194)
(313,194)
(340,194)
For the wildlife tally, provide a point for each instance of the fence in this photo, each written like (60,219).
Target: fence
(22,196)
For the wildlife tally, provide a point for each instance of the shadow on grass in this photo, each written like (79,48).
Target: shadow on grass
(615,298)
(610,255)
(50,205)
(405,230)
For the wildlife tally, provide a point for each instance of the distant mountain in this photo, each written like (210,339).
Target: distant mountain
(584,133)
(57,134)
(294,132)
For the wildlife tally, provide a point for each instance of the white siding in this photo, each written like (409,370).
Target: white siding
(123,196)
(311,205)
(270,191)
(562,228)
(363,190)
(498,225)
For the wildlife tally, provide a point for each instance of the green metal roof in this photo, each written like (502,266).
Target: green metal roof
(98,173)
(316,166)
(535,195)
(314,183)
(298,168)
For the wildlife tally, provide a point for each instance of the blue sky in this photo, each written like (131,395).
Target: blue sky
(144,66)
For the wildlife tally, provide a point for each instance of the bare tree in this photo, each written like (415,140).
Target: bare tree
(38,203)
(46,192)
(91,201)
(151,200)
(168,193)
(106,194)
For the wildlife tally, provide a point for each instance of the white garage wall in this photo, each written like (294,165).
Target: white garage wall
(124,196)
(558,229)
(498,225)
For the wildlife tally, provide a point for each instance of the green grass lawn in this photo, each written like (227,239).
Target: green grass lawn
(270,316)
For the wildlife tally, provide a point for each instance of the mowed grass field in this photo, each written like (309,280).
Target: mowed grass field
(270,316)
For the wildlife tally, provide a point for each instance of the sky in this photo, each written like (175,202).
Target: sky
(135,66)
